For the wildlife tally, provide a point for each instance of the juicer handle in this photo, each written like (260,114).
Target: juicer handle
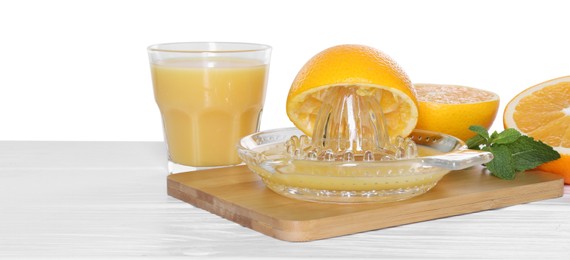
(458,160)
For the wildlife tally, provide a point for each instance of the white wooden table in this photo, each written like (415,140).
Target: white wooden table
(108,199)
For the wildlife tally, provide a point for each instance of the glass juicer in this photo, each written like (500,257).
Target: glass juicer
(350,157)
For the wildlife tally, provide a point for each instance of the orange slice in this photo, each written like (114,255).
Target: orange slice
(543,112)
(353,65)
(452,109)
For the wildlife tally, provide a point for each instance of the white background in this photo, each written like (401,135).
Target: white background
(78,70)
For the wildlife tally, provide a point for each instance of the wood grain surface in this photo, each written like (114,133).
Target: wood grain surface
(239,195)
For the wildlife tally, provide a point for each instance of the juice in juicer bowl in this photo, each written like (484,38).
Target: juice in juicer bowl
(355,181)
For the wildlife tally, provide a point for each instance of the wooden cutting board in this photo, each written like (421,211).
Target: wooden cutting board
(239,195)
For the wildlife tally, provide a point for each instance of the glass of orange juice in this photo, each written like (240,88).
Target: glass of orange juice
(210,95)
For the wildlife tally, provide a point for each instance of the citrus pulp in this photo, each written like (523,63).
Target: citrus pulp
(543,112)
(452,109)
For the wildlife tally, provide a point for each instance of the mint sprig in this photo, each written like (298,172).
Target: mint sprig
(512,151)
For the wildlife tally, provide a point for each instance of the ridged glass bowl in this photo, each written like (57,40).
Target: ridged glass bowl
(356,181)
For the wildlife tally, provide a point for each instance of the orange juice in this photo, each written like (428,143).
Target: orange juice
(207,105)
(328,176)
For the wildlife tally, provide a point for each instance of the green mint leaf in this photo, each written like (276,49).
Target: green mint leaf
(502,165)
(476,142)
(528,153)
(512,151)
(482,131)
(506,137)
(494,135)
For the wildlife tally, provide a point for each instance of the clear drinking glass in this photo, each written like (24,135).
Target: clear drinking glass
(210,95)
